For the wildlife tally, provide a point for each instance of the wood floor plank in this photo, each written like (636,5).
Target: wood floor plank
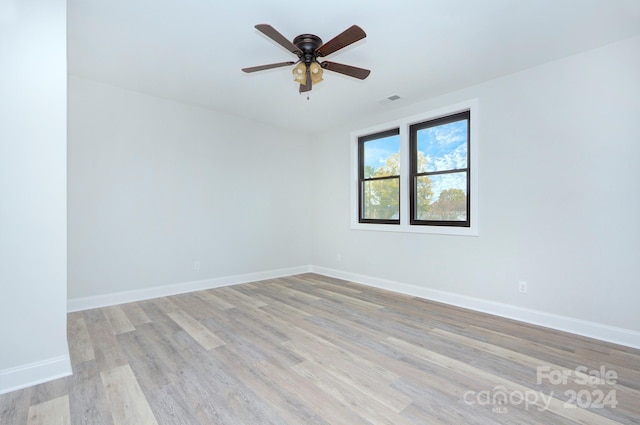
(275,299)
(288,405)
(170,407)
(165,304)
(197,330)
(347,299)
(311,281)
(238,299)
(108,353)
(197,307)
(223,398)
(296,294)
(52,412)
(318,340)
(364,378)
(14,406)
(49,390)
(268,336)
(213,300)
(135,314)
(118,320)
(366,407)
(300,333)
(146,353)
(126,399)
(80,347)
(87,398)
(331,410)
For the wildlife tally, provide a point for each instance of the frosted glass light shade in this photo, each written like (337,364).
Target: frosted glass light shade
(316,72)
(300,73)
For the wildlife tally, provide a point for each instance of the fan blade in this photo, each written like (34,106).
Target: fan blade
(265,67)
(351,71)
(306,87)
(271,32)
(347,37)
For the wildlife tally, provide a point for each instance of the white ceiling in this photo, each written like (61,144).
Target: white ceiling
(192,50)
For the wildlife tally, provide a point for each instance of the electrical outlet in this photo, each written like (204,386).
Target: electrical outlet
(523,287)
(196,265)
(339,258)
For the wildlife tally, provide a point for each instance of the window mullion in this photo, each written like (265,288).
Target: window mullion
(371,179)
(437,173)
(405,190)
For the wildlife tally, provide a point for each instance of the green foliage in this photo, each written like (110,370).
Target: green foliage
(381,197)
(369,171)
(451,205)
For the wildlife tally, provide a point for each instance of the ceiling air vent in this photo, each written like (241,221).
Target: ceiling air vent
(389,99)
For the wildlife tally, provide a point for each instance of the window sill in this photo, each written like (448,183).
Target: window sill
(404,228)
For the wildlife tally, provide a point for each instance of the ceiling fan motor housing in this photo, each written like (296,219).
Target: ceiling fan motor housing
(307,43)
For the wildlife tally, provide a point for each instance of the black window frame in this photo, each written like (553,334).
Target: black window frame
(414,174)
(361,178)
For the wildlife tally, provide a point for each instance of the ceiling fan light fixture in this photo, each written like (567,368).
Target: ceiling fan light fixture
(300,73)
(308,48)
(316,72)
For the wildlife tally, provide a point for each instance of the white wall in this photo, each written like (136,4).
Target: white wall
(33,333)
(559,196)
(155,185)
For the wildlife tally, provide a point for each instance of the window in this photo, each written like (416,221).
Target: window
(439,158)
(418,174)
(379,177)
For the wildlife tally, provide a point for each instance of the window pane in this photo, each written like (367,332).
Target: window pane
(443,147)
(380,199)
(382,157)
(446,200)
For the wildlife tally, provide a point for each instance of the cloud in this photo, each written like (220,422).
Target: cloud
(453,160)
(377,151)
(445,146)
(447,181)
(450,133)
(445,134)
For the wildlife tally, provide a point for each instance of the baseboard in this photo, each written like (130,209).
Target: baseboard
(86,303)
(589,329)
(27,375)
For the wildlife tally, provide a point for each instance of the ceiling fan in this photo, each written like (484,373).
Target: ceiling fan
(309,48)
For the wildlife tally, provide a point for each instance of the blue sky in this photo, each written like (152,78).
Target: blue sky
(377,151)
(444,146)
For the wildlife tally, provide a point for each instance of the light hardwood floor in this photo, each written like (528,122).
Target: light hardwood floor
(309,349)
